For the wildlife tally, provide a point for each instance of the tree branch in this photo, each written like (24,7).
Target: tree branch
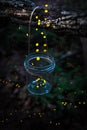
(19,12)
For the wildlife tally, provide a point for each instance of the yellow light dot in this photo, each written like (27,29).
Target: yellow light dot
(62,102)
(44,81)
(38,58)
(36,17)
(44,37)
(41,85)
(27,34)
(50,122)
(37,50)
(45,19)
(37,86)
(59,88)
(32,64)
(40,115)
(44,50)
(39,22)
(54,26)
(42,33)
(46,10)
(58,123)
(36,29)
(46,5)
(45,45)
(19,86)
(19,27)
(48,24)
(37,79)
(75,106)
(54,109)
(84,103)
(37,44)
(16,85)
(65,104)
(79,102)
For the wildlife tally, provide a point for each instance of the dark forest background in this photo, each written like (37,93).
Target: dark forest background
(65,107)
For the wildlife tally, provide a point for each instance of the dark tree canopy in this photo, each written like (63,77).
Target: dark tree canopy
(64,16)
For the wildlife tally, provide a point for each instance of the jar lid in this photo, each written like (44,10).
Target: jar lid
(37,63)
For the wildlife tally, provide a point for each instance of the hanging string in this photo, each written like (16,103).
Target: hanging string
(30,21)
(29,37)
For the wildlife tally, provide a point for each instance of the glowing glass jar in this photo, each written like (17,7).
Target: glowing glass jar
(39,66)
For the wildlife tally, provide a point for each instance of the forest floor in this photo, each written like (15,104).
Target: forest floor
(17,107)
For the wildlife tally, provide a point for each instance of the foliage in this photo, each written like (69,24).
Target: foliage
(68,87)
